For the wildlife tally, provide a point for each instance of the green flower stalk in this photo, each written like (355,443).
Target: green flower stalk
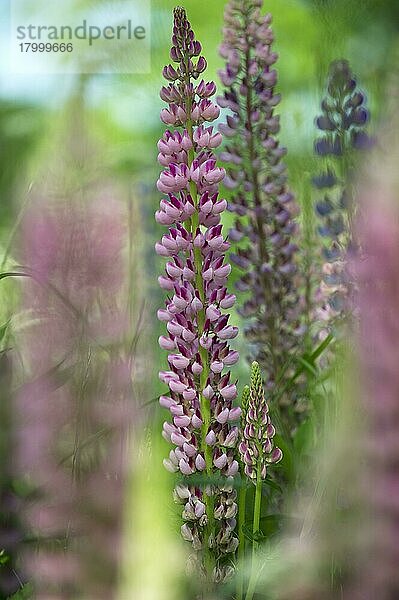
(242,500)
(256,448)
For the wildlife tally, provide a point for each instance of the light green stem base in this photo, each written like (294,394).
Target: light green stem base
(242,501)
(255,528)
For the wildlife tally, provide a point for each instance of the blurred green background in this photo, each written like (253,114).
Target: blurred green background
(78,134)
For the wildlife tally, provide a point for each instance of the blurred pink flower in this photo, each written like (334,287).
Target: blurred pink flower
(378,299)
(74,409)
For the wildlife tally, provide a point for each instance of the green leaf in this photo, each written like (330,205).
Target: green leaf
(287,462)
(304,436)
(3,330)
(308,366)
(258,536)
(13,274)
(152,401)
(272,484)
(271,524)
(312,358)
(24,593)
(201,479)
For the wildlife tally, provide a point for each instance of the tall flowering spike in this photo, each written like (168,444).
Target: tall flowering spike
(256,447)
(342,124)
(264,229)
(201,393)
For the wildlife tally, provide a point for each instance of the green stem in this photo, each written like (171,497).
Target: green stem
(257,507)
(255,528)
(242,501)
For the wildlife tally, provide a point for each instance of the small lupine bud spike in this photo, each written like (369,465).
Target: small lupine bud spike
(256,446)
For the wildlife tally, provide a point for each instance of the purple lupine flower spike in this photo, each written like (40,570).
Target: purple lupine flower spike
(256,447)
(342,123)
(201,392)
(264,230)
